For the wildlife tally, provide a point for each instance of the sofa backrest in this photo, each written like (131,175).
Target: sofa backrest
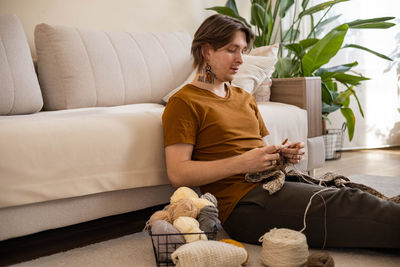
(19,87)
(90,68)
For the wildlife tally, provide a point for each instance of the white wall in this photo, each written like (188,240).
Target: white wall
(112,15)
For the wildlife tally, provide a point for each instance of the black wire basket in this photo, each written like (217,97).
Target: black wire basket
(164,246)
(333,140)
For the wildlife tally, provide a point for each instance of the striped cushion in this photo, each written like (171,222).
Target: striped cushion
(90,68)
(19,87)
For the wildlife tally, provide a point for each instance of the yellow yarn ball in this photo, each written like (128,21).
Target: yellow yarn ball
(189,225)
(238,244)
(183,192)
(202,202)
(183,207)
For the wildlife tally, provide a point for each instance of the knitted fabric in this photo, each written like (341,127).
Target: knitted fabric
(273,180)
(209,254)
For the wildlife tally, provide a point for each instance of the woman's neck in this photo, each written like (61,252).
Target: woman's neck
(216,86)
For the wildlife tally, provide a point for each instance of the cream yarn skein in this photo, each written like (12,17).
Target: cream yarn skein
(189,225)
(183,192)
(284,248)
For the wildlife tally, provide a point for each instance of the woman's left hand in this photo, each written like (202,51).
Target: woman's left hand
(293,152)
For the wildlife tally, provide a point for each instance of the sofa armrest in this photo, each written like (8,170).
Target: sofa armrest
(303,92)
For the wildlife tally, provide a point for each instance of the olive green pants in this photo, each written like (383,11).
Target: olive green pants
(343,218)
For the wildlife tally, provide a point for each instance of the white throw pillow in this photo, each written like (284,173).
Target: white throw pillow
(255,71)
(263,92)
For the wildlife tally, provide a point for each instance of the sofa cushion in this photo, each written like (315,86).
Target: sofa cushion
(285,121)
(91,68)
(19,87)
(76,152)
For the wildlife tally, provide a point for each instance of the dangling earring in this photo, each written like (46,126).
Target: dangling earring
(209,75)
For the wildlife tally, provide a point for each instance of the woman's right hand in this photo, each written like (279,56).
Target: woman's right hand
(259,159)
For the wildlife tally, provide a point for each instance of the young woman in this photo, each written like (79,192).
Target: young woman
(213,136)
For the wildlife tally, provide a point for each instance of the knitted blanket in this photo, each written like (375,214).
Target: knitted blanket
(274,178)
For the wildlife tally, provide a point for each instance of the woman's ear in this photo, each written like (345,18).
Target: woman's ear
(205,51)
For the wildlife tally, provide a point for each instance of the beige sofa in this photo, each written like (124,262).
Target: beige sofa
(87,142)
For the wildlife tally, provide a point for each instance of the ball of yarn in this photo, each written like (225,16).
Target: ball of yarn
(166,238)
(190,225)
(208,218)
(202,202)
(160,215)
(210,197)
(284,247)
(183,207)
(238,244)
(320,259)
(183,192)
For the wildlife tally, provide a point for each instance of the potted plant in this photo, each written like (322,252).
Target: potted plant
(305,58)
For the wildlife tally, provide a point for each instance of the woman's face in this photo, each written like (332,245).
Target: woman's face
(226,60)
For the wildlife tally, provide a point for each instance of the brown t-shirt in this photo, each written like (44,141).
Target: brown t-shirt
(218,128)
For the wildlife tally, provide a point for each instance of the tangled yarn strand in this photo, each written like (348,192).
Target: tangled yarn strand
(309,204)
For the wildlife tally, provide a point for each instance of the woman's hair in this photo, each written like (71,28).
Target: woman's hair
(217,31)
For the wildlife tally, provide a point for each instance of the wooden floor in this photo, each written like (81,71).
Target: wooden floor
(385,162)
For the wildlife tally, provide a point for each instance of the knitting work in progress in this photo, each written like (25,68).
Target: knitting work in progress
(274,178)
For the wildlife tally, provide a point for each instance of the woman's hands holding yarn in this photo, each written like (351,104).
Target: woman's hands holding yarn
(259,159)
(293,152)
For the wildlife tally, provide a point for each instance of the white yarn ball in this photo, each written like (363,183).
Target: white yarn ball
(284,248)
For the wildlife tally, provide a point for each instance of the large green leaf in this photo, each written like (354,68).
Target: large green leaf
(375,25)
(368,50)
(350,119)
(232,5)
(326,94)
(306,43)
(284,68)
(324,50)
(327,73)
(320,7)
(304,4)
(342,97)
(360,22)
(326,108)
(259,17)
(259,41)
(349,79)
(285,5)
(358,102)
(296,48)
(228,12)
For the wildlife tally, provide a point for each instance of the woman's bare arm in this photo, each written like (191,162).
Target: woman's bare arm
(183,171)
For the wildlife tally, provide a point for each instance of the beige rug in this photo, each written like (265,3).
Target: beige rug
(136,249)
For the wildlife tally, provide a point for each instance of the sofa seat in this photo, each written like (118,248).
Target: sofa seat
(69,153)
(76,152)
